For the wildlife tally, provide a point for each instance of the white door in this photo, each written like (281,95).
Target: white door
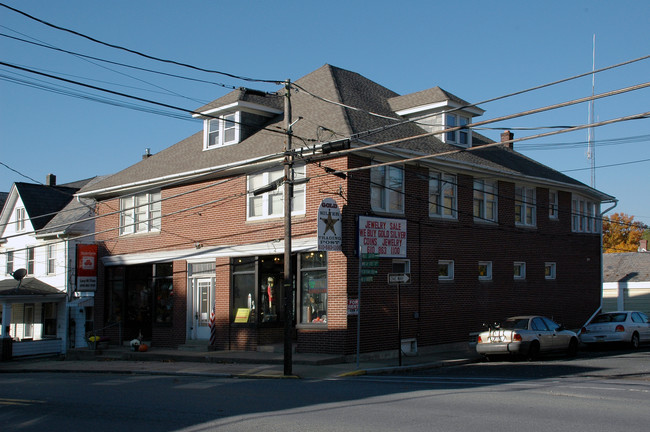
(201,305)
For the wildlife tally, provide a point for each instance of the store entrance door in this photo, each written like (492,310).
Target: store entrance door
(200,307)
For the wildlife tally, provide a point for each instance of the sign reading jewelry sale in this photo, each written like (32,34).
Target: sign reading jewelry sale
(329,226)
(382,236)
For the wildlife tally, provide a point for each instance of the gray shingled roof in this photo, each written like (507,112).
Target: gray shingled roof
(626,267)
(424,97)
(76,210)
(29,286)
(321,121)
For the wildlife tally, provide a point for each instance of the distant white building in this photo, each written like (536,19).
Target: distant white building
(41,227)
(626,280)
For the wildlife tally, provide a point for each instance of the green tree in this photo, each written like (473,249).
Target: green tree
(621,233)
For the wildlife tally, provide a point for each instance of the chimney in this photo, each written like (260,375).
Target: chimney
(50,180)
(508,136)
(147,153)
(643,245)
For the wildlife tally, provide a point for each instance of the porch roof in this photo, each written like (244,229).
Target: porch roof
(31,289)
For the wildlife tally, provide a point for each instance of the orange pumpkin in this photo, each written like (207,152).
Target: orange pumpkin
(143,348)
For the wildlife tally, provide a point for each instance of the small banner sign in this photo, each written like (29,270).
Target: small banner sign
(86,267)
(329,226)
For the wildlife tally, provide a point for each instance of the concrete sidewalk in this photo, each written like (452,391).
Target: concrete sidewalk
(243,364)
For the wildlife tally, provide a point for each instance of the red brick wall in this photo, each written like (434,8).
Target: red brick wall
(433,311)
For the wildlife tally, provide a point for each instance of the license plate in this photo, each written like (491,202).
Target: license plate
(495,339)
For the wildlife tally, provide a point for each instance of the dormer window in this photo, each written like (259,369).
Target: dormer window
(222,131)
(460,137)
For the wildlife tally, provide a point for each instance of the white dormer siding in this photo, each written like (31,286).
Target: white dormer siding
(232,123)
(435,110)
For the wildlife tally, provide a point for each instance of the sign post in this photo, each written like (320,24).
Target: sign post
(378,238)
(399,279)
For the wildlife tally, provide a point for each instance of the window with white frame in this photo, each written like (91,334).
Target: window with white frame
(30,260)
(51,258)
(10,262)
(387,189)
(525,206)
(519,270)
(584,215)
(222,131)
(461,137)
(20,219)
(549,270)
(485,270)
(442,195)
(445,270)
(485,200)
(401,266)
(553,204)
(140,213)
(271,203)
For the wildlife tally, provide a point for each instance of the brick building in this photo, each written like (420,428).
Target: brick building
(483,231)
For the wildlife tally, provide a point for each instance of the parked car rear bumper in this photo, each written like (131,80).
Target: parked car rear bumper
(502,348)
(589,338)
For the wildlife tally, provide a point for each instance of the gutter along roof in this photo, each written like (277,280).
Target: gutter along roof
(318,122)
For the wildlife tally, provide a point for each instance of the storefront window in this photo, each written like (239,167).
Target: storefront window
(271,291)
(115,293)
(313,288)
(163,294)
(244,300)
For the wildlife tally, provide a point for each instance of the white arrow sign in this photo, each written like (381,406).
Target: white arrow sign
(399,278)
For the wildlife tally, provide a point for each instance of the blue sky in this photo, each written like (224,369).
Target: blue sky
(476,50)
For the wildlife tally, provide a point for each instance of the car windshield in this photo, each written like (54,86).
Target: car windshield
(515,324)
(610,317)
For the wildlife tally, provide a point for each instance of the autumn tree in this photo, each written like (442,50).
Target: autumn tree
(621,233)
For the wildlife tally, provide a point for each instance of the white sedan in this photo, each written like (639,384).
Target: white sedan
(630,327)
(526,336)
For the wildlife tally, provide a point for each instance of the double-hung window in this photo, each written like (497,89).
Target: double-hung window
(442,195)
(387,189)
(584,215)
(553,206)
(140,213)
(222,131)
(20,219)
(462,136)
(30,259)
(525,206)
(485,200)
(51,258)
(10,262)
(271,203)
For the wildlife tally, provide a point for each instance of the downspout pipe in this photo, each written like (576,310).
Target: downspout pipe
(602,268)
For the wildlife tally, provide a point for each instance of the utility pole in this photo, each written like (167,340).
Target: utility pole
(288,274)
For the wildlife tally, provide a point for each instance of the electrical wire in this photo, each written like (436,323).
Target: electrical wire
(226,86)
(147,56)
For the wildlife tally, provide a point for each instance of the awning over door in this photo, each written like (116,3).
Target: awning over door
(207,253)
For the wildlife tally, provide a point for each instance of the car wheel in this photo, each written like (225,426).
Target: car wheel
(533,351)
(634,343)
(572,350)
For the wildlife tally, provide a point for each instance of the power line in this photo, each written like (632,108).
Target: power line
(231,87)
(150,57)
